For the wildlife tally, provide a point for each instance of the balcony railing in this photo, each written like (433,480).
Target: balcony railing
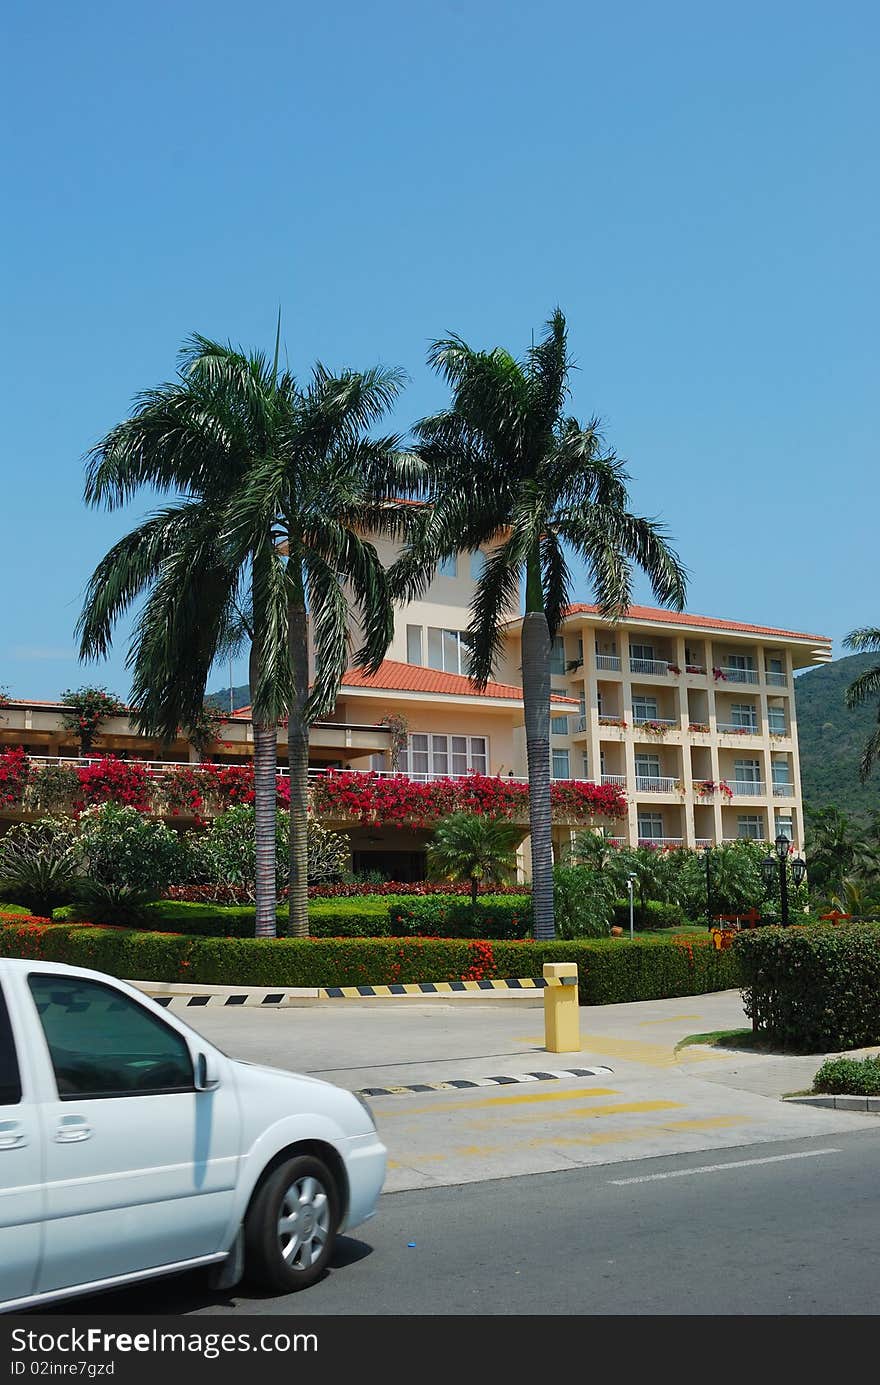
(783,790)
(618,779)
(608,661)
(660,841)
(650,783)
(747,788)
(581,724)
(658,667)
(739,675)
(640,720)
(732,728)
(776,680)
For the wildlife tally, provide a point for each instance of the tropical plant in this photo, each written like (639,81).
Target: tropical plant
(117,845)
(38,864)
(867,685)
(398,726)
(600,853)
(856,901)
(583,901)
(203,730)
(471,847)
(278,482)
(88,708)
(224,856)
(507,468)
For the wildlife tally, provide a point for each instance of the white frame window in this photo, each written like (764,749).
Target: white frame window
(650,826)
(644,708)
(747,771)
(750,827)
(448,651)
(647,766)
(781,772)
(559,726)
(642,651)
(560,764)
(414,645)
(557,656)
(435,754)
(785,825)
(744,714)
(776,723)
(744,662)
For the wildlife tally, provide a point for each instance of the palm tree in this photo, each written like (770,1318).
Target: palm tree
(505,465)
(210,565)
(471,847)
(865,641)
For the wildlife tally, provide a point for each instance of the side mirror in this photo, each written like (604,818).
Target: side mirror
(207,1072)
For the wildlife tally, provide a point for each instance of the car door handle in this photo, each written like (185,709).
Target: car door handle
(12,1136)
(72,1129)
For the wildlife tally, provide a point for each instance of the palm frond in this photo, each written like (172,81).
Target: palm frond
(866,639)
(862,688)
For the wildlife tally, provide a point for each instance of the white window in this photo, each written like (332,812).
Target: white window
(559,726)
(442,755)
(751,826)
(585,765)
(776,720)
(557,655)
(644,708)
(775,665)
(647,766)
(477,564)
(781,772)
(561,769)
(651,827)
(448,651)
(740,661)
(414,644)
(744,714)
(602,762)
(449,567)
(747,771)
(642,651)
(583,704)
(785,826)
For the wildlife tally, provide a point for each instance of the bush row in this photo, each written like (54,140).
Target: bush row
(813,988)
(610,970)
(650,915)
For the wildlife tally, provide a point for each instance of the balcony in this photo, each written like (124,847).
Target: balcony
(730,728)
(776,680)
(618,779)
(610,662)
(651,783)
(783,790)
(656,726)
(660,841)
(740,675)
(747,788)
(656,667)
(582,724)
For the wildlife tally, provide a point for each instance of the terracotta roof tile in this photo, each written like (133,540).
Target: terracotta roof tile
(702,622)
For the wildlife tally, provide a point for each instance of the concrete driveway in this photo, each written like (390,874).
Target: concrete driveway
(529,1114)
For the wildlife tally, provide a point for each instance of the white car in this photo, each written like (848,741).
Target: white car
(131,1147)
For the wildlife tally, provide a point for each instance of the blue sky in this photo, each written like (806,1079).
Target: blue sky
(695,185)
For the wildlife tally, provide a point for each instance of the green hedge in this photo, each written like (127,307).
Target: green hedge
(813,988)
(653,914)
(436,916)
(849,1077)
(610,970)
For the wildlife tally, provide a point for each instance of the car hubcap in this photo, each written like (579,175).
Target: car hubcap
(303,1223)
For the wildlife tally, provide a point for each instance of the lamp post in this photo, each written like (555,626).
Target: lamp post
(630,882)
(772,864)
(707,852)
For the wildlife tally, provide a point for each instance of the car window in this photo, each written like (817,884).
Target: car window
(10,1080)
(104,1044)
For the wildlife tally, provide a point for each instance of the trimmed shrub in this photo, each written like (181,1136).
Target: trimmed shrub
(610,971)
(456,918)
(582,901)
(652,915)
(849,1077)
(813,988)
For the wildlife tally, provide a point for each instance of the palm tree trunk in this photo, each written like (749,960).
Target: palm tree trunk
(298,765)
(265,806)
(536,702)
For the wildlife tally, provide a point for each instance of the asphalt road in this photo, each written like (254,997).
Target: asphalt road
(775,1228)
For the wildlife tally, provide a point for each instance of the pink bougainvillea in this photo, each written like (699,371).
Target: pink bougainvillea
(14,770)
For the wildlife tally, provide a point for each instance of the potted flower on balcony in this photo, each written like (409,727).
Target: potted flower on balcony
(673,668)
(654,728)
(698,726)
(719,675)
(694,668)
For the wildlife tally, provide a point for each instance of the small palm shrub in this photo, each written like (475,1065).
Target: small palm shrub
(38,864)
(471,848)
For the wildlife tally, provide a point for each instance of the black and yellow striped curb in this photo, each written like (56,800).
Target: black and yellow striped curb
(510,983)
(459,1084)
(270,998)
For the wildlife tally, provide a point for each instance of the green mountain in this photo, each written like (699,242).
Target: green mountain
(241,697)
(831,738)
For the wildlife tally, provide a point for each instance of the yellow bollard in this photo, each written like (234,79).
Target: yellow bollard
(561,1027)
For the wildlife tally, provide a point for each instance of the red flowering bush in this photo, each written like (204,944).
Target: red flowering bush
(14,771)
(126,782)
(374,798)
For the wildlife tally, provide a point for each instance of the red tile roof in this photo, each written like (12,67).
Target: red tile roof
(702,622)
(396,677)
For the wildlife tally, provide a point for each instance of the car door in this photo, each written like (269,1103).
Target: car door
(140,1167)
(21,1160)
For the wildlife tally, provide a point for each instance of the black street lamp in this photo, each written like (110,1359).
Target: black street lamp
(707,853)
(778,863)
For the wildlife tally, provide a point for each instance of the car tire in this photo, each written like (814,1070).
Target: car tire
(290,1229)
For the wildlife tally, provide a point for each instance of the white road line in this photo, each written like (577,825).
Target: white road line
(716,1168)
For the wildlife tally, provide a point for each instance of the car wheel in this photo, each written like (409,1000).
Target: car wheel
(290,1229)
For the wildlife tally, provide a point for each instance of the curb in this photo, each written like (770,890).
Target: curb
(461,1083)
(511,983)
(181,994)
(869,1104)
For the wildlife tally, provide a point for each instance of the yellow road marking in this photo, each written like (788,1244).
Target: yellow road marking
(673,1019)
(619,1108)
(527,1097)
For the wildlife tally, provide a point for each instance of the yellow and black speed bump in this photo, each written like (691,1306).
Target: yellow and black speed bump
(461,1083)
(510,983)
